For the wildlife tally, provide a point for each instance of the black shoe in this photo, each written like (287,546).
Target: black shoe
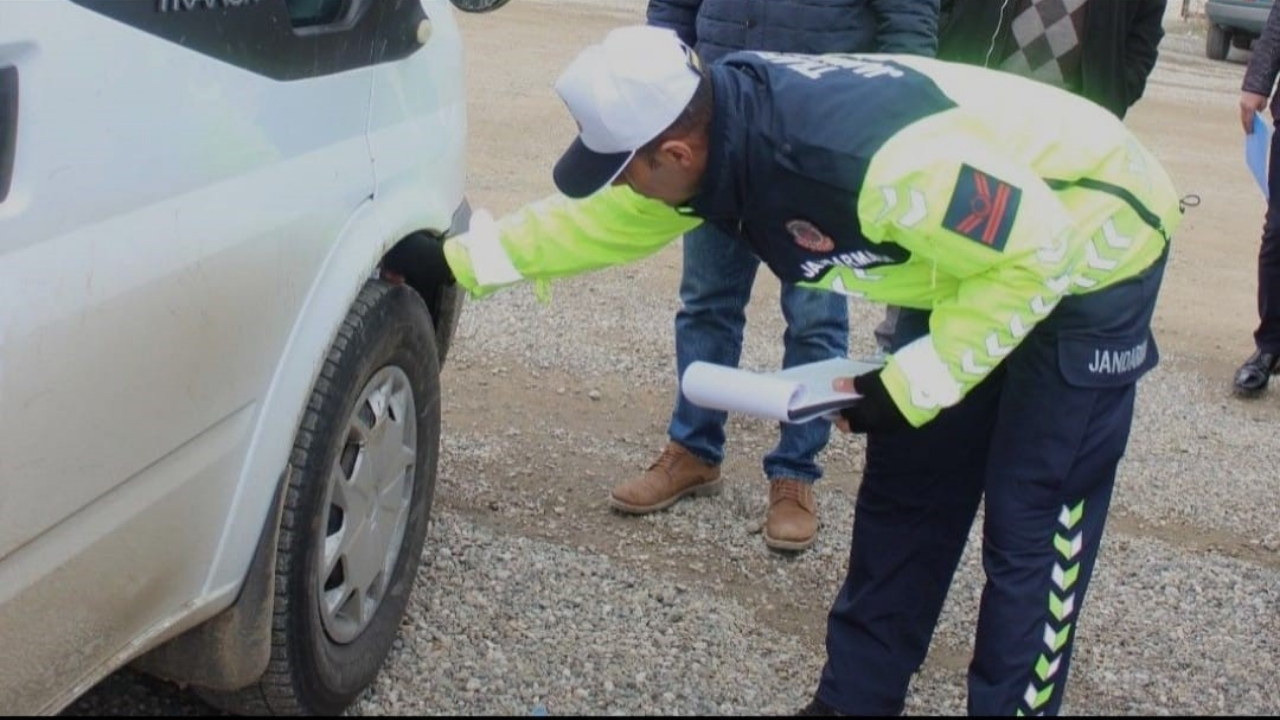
(1255,373)
(817,708)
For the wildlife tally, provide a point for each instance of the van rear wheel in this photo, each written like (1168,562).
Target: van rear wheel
(1217,42)
(362,476)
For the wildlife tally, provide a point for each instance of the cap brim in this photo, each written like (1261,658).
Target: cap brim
(581,171)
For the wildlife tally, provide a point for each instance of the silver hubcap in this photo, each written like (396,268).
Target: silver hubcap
(367,505)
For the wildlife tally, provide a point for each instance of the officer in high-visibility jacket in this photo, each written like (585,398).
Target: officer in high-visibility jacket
(1030,223)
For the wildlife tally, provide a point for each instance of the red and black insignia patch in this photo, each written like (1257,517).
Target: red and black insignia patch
(982,208)
(808,236)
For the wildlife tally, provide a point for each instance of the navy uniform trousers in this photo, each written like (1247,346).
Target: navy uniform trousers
(1040,439)
(1266,337)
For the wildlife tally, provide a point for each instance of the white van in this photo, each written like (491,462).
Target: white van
(218,426)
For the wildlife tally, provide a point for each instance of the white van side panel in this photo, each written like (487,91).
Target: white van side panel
(159,197)
(417,130)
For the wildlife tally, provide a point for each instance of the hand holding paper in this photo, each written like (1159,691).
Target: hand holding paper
(795,395)
(874,411)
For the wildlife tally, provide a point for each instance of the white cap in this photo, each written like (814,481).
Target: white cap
(623,93)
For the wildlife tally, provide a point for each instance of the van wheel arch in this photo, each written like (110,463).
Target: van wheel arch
(314,669)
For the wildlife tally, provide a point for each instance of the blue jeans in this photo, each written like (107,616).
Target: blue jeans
(719,272)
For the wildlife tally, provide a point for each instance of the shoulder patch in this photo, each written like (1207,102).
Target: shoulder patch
(982,208)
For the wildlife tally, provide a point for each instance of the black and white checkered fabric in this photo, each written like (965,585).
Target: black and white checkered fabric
(1046,45)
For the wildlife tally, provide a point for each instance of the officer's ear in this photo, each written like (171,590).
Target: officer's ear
(681,152)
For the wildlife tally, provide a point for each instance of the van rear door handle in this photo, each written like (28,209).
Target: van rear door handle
(8,127)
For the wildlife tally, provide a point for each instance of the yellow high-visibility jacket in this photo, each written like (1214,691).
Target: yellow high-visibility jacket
(979,195)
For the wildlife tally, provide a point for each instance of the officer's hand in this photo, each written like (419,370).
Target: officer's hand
(418,260)
(875,411)
(1250,103)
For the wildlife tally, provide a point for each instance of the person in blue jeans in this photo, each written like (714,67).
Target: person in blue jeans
(719,274)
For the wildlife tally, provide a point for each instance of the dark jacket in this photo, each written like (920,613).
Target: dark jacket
(1264,65)
(801,165)
(1118,49)
(717,27)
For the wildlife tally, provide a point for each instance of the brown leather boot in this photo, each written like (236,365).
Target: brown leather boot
(676,473)
(792,522)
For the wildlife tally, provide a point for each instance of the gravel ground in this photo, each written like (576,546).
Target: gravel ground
(534,599)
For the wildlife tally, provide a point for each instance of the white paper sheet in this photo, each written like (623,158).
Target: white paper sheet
(794,395)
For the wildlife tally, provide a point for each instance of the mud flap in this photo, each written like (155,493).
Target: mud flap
(232,649)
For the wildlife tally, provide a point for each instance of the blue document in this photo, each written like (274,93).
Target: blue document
(1256,145)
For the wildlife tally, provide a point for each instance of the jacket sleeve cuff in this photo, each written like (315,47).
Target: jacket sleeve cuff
(1249,87)
(460,265)
(919,382)
(478,259)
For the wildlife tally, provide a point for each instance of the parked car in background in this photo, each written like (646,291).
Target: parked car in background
(218,425)
(1233,23)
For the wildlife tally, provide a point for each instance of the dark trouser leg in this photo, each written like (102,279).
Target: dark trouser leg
(1062,427)
(919,494)
(887,328)
(1046,506)
(1267,336)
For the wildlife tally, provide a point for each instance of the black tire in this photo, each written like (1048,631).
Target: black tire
(479,6)
(1217,42)
(310,673)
